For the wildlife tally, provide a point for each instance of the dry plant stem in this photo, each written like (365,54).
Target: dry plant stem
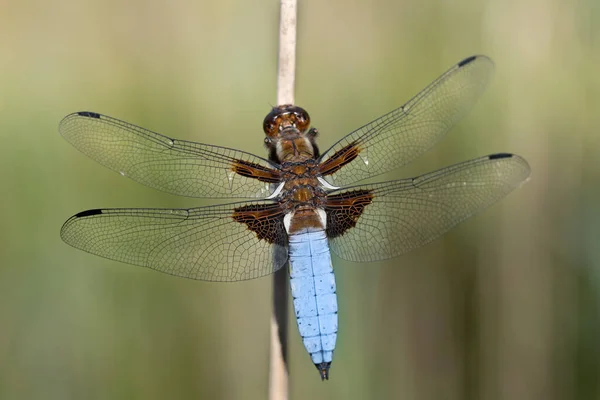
(279,372)
(287,52)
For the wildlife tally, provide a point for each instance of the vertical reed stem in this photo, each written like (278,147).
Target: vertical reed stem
(279,372)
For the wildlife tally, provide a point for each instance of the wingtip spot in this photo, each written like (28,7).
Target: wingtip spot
(88,213)
(88,114)
(466,61)
(499,156)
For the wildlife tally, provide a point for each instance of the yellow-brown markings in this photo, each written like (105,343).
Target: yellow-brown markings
(303,194)
(266,220)
(344,210)
(299,169)
(295,150)
(255,171)
(302,190)
(305,218)
(341,157)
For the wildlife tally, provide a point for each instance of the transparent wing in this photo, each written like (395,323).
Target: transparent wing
(402,135)
(384,220)
(175,166)
(229,242)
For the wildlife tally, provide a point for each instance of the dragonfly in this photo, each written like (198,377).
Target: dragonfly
(300,204)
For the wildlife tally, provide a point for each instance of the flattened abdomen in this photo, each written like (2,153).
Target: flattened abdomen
(314,292)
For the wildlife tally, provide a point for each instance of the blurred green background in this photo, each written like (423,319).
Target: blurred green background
(506,306)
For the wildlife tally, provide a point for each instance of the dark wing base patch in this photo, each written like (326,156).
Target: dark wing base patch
(340,158)
(344,210)
(265,220)
(255,171)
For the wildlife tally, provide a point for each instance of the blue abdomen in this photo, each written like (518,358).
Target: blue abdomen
(313,289)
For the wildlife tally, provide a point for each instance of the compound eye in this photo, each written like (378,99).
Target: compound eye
(302,120)
(269,128)
(284,116)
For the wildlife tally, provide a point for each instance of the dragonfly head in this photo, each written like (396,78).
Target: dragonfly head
(287,135)
(286,120)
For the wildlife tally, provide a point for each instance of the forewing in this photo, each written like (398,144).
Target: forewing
(384,220)
(175,166)
(230,242)
(402,135)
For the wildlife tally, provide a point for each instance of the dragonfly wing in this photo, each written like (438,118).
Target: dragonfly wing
(230,242)
(175,166)
(403,134)
(384,220)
